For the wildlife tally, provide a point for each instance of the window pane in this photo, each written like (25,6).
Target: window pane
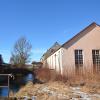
(76,52)
(80,51)
(97,51)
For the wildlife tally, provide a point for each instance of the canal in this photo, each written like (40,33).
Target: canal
(15,84)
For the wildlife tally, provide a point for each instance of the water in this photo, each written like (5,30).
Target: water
(16,84)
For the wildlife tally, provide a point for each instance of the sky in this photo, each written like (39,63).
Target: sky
(43,22)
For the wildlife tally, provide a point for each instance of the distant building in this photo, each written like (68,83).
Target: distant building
(37,65)
(80,54)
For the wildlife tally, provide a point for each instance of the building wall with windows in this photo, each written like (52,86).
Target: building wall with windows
(86,44)
(79,55)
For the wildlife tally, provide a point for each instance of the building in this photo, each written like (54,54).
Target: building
(79,55)
(50,51)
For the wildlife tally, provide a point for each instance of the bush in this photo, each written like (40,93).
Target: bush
(43,74)
(46,74)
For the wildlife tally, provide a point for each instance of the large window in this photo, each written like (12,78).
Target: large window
(78,57)
(96,59)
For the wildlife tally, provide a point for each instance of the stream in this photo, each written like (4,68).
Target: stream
(16,84)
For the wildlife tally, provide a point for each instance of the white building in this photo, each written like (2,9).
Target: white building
(78,55)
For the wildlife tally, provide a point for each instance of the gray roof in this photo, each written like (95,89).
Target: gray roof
(51,50)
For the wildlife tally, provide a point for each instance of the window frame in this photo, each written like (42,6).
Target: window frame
(96,59)
(80,57)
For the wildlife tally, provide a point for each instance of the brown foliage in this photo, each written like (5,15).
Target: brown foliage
(43,74)
(46,74)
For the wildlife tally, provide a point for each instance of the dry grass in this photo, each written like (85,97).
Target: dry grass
(45,75)
(59,84)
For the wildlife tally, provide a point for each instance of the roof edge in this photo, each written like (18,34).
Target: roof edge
(92,24)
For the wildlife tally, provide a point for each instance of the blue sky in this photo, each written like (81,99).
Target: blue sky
(43,22)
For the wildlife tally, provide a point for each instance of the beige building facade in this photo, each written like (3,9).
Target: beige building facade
(79,55)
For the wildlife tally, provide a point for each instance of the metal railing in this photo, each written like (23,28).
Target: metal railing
(8,82)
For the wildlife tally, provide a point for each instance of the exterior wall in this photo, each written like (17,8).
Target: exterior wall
(87,43)
(55,61)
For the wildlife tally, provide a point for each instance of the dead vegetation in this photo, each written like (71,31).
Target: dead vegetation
(46,74)
(58,87)
(45,91)
(90,82)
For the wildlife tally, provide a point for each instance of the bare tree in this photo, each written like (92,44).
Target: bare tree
(21,53)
